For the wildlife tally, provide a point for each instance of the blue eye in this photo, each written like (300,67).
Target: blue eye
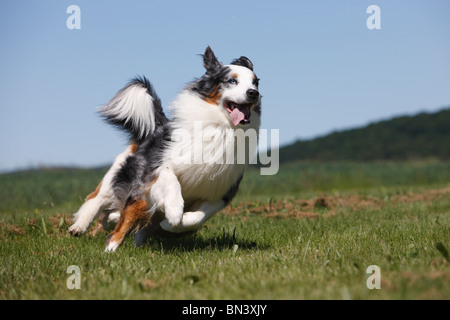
(232,81)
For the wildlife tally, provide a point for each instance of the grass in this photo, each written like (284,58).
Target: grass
(309,232)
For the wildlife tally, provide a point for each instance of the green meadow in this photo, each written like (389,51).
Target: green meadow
(308,232)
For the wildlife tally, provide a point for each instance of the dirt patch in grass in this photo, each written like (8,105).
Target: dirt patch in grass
(329,205)
(286,208)
(305,208)
(429,195)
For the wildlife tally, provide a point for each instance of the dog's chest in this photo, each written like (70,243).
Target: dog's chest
(207,182)
(206,167)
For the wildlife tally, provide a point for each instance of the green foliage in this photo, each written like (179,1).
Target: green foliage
(422,136)
(47,189)
(303,178)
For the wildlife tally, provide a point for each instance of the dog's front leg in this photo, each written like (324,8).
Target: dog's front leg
(166,194)
(193,220)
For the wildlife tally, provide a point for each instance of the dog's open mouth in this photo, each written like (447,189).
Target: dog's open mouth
(239,113)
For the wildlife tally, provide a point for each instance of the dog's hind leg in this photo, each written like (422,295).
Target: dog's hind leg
(134,214)
(102,196)
(87,212)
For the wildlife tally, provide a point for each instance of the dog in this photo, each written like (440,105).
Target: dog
(161,185)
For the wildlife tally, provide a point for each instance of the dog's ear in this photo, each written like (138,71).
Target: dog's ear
(244,62)
(210,61)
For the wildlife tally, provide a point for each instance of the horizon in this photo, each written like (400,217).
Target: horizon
(252,161)
(322,68)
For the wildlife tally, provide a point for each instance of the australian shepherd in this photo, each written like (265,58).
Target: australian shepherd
(161,184)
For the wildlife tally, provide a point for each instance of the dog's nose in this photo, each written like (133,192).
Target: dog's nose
(252,94)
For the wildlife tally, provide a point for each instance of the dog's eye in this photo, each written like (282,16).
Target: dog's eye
(256,82)
(232,81)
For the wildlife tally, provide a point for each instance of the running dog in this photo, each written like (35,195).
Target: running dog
(161,184)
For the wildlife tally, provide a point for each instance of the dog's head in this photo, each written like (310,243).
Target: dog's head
(233,88)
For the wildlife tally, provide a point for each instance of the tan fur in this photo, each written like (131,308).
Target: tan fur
(95,193)
(214,97)
(133,148)
(134,213)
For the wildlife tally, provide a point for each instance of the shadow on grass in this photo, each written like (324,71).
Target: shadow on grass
(196,242)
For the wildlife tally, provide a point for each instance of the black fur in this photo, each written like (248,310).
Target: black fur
(210,61)
(217,74)
(210,81)
(160,117)
(139,169)
(232,192)
(243,62)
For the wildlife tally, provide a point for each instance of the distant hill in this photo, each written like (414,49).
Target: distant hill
(425,135)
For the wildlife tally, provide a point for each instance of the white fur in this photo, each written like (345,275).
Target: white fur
(244,78)
(112,246)
(132,104)
(210,181)
(166,195)
(204,183)
(192,220)
(110,221)
(105,201)
(190,191)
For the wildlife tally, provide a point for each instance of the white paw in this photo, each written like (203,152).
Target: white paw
(173,217)
(193,219)
(110,221)
(112,246)
(166,225)
(76,229)
(190,221)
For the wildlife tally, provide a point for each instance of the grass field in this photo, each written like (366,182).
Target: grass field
(309,232)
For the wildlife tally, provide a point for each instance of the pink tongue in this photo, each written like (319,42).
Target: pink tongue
(237,116)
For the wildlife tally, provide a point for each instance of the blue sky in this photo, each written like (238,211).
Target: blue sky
(321,68)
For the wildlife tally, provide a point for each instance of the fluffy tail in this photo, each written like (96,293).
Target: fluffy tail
(136,109)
